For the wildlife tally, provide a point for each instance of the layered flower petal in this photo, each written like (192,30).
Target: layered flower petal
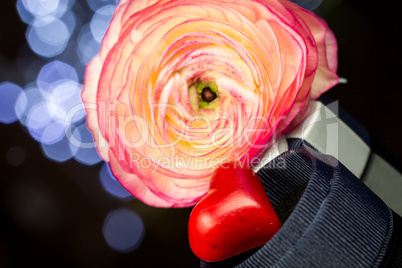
(181,86)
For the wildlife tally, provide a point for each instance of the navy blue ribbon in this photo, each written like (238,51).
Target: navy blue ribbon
(338,221)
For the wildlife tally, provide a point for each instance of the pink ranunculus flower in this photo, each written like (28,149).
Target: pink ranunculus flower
(182,85)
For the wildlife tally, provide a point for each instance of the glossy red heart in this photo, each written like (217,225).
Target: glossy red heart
(235,215)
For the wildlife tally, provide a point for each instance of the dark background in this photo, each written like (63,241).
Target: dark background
(52,213)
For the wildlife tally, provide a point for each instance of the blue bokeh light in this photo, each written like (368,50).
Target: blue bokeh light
(29,10)
(63,36)
(100,21)
(123,230)
(38,118)
(41,125)
(54,72)
(41,7)
(9,94)
(82,145)
(25,15)
(65,102)
(63,7)
(87,45)
(52,133)
(48,36)
(111,185)
(97,4)
(32,96)
(59,151)
(20,106)
(70,21)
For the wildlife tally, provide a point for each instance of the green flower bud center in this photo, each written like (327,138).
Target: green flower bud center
(208,95)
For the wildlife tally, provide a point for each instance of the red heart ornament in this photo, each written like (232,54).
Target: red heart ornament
(235,215)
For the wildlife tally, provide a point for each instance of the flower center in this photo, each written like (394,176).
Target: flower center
(204,95)
(207,94)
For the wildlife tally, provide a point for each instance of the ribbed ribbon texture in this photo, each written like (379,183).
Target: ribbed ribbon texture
(338,221)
